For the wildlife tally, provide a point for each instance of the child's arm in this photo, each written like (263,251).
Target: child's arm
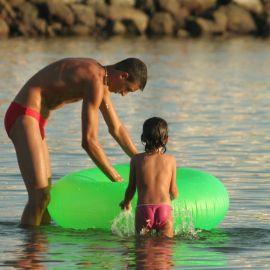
(173,186)
(130,191)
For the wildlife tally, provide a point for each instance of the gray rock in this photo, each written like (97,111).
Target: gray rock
(84,15)
(118,28)
(94,2)
(231,18)
(170,6)
(255,6)
(138,18)
(71,1)
(181,33)
(100,8)
(16,3)
(79,30)
(267,7)
(162,23)
(29,25)
(54,29)
(40,26)
(180,16)
(6,9)
(198,6)
(4,28)
(128,3)
(239,20)
(147,6)
(101,23)
(206,26)
(60,11)
(28,12)
(221,20)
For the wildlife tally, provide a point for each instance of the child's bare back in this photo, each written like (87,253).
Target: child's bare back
(154,175)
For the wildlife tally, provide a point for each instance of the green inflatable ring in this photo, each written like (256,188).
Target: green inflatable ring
(88,199)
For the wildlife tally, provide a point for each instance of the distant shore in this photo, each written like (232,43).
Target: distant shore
(105,18)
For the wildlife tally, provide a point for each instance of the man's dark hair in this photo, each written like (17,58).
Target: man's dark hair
(136,69)
(155,134)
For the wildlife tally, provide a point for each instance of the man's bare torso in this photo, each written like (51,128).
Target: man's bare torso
(59,83)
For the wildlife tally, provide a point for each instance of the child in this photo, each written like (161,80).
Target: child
(153,173)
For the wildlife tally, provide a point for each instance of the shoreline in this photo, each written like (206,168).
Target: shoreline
(132,18)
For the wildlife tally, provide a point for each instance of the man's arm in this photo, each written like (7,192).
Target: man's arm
(131,189)
(90,110)
(115,126)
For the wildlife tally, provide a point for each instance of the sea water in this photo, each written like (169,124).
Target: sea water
(215,96)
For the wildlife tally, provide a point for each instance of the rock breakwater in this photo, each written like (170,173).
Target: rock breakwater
(178,18)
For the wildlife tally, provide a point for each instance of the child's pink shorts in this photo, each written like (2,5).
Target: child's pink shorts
(152,216)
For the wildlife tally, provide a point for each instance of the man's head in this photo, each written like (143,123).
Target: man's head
(136,69)
(128,75)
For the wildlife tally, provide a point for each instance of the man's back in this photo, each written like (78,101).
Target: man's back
(61,82)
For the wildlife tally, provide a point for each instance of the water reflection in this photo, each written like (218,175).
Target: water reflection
(31,252)
(154,253)
(51,247)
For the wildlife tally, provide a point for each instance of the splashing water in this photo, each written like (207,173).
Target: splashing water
(123,224)
(183,224)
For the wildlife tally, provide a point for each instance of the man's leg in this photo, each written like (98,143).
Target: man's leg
(46,218)
(25,135)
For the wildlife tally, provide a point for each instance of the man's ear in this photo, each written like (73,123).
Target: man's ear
(124,75)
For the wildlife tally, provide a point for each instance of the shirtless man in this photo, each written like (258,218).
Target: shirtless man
(66,81)
(153,174)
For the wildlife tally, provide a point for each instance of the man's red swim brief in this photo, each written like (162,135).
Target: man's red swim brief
(15,110)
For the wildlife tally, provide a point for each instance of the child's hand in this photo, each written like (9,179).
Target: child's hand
(125,206)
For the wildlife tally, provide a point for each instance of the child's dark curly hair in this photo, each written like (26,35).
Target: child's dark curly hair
(155,134)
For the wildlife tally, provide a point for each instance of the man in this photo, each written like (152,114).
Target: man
(66,81)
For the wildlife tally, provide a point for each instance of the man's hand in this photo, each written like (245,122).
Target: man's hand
(117,178)
(125,205)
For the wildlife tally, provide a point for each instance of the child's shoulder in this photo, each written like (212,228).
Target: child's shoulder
(169,157)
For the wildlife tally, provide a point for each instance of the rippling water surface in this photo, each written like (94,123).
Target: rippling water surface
(216,98)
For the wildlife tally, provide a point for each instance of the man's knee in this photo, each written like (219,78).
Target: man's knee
(40,198)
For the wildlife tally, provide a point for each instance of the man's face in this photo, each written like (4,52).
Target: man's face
(127,87)
(121,85)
